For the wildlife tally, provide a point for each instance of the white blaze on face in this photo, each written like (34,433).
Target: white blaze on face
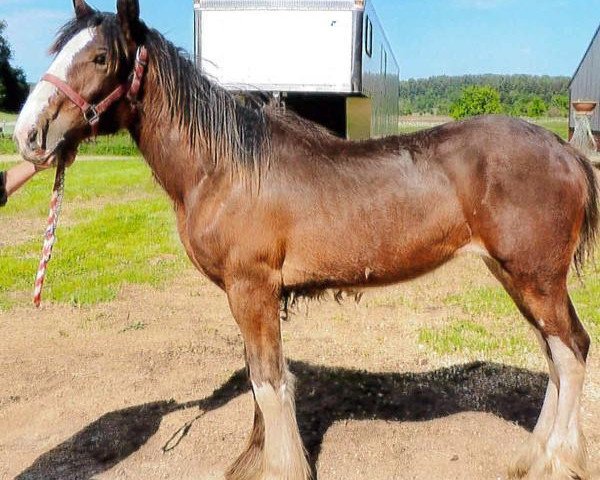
(39,99)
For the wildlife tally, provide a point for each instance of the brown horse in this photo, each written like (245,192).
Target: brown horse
(270,206)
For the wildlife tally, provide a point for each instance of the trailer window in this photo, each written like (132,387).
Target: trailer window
(368,37)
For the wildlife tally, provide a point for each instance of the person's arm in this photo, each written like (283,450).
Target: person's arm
(17,176)
(13,179)
(3,193)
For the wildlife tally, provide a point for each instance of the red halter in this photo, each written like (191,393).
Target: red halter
(92,113)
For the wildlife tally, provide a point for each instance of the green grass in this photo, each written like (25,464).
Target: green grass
(490,324)
(472,338)
(408,128)
(85,181)
(113,145)
(121,232)
(479,301)
(120,144)
(8,117)
(586,298)
(560,126)
(495,302)
(7,145)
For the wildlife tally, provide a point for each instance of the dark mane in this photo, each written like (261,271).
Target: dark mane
(234,129)
(208,115)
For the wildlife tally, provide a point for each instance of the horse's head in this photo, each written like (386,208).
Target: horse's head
(93,61)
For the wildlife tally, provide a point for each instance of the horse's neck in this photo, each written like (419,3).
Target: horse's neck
(166,150)
(180,159)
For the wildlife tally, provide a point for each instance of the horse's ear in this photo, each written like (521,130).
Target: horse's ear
(82,9)
(128,12)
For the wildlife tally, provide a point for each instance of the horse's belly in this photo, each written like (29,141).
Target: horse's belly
(382,249)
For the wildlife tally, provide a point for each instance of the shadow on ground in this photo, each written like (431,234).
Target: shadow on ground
(324,396)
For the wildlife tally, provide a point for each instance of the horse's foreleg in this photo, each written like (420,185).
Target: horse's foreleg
(275,449)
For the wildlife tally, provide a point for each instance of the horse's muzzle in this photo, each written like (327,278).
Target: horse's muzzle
(33,148)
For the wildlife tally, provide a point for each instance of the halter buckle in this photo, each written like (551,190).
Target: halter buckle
(91,115)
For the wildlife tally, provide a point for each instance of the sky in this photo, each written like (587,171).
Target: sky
(429,37)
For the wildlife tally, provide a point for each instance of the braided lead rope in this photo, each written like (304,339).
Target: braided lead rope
(50,235)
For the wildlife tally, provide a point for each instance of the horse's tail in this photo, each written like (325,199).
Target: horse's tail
(591,219)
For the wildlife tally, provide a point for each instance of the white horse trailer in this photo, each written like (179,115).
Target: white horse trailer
(328,60)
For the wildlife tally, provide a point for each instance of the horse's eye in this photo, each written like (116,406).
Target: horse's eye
(100,59)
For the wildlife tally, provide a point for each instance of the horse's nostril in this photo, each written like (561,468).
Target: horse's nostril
(32,138)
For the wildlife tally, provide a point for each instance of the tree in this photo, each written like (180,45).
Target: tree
(559,105)
(519,106)
(438,93)
(476,100)
(536,108)
(13,84)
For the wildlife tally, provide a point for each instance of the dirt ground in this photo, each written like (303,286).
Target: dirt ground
(152,386)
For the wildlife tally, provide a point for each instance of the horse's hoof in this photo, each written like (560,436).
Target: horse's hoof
(562,464)
(527,456)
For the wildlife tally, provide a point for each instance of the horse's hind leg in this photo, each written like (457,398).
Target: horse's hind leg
(275,449)
(557,448)
(566,453)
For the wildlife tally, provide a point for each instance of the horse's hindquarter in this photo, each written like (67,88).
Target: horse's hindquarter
(371,223)
(523,191)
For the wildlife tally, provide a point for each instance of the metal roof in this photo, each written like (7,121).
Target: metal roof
(279,4)
(584,56)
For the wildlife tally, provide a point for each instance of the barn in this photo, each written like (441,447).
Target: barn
(585,84)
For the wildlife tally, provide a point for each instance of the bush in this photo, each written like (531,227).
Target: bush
(476,100)
(536,108)
(519,107)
